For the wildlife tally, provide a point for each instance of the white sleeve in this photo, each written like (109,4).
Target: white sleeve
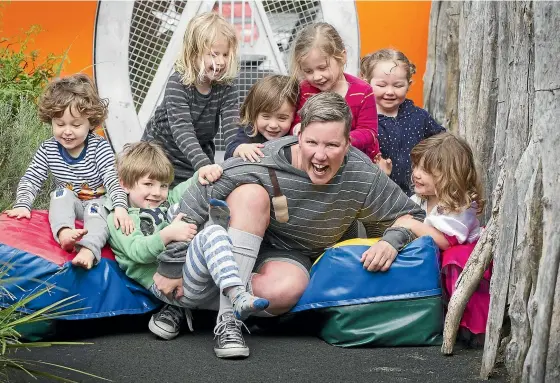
(464,226)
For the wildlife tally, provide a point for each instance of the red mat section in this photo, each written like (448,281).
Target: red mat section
(34,236)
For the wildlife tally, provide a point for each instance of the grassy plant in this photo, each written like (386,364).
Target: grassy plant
(20,135)
(22,78)
(11,317)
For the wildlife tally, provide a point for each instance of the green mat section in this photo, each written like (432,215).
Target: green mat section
(34,332)
(416,322)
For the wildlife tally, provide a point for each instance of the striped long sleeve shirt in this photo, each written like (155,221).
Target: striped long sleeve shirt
(318,214)
(89,176)
(186,122)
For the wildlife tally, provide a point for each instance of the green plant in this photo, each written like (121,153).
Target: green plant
(12,317)
(20,135)
(21,75)
(22,78)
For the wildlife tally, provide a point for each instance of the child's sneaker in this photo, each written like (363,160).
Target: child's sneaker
(229,338)
(166,324)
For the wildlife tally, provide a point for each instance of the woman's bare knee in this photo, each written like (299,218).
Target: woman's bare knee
(281,283)
(250,209)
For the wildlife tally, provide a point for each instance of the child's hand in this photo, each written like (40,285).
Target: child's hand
(249,152)
(19,212)
(296,130)
(123,221)
(178,230)
(386,165)
(209,173)
(171,288)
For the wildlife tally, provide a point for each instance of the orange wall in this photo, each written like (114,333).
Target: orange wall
(67,25)
(70,25)
(402,25)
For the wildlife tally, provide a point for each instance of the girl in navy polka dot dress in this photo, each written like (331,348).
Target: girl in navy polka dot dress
(402,125)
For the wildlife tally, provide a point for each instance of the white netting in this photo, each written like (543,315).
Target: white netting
(153,23)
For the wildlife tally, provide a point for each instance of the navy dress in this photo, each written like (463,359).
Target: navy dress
(242,137)
(398,135)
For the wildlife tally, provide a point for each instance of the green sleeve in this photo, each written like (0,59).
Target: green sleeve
(177,192)
(136,246)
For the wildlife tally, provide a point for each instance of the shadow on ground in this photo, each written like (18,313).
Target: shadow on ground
(123,350)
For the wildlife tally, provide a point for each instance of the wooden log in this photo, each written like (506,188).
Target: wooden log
(545,128)
(441,78)
(519,117)
(553,355)
(472,273)
(526,259)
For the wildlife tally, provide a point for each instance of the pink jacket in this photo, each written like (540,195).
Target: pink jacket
(363,133)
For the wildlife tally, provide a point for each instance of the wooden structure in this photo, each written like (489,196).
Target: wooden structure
(493,76)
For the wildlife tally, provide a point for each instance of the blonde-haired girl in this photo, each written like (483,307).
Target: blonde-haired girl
(447,187)
(266,114)
(319,56)
(199,96)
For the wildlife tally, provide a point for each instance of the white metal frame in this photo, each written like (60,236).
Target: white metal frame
(111,69)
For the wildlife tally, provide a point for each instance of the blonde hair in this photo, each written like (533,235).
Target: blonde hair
(77,92)
(368,63)
(143,159)
(322,36)
(202,31)
(267,95)
(450,161)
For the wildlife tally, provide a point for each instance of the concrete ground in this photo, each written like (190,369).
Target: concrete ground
(123,350)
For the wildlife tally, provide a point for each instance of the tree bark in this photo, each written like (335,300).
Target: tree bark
(508,106)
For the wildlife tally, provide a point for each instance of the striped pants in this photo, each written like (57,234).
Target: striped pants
(209,268)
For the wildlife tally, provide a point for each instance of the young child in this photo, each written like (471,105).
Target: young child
(266,114)
(82,164)
(209,267)
(401,124)
(447,187)
(319,57)
(199,97)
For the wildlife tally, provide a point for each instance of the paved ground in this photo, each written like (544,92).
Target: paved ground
(125,351)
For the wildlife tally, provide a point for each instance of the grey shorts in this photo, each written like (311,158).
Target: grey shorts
(295,257)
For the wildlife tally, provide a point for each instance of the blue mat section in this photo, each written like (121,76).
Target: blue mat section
(103,291)
(338,278)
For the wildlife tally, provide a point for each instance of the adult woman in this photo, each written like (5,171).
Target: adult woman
(318,185)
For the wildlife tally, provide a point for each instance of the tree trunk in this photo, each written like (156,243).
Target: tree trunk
(503,85)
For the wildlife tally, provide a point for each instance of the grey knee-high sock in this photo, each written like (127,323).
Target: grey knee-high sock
(245,250)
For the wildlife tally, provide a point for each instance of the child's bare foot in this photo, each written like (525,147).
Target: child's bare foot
(68,237)
(84,258)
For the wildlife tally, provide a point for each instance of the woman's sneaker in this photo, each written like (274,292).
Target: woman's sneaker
(166,324)
(229,338)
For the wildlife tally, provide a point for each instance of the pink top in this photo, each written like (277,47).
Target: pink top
(360,99)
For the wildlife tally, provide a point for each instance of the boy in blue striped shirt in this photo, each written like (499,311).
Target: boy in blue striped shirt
(83,167)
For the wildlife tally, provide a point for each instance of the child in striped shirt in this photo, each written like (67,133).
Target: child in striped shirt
(82,164)
(199,96)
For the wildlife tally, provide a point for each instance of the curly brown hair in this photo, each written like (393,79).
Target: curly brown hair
(449,159)
(77,92)
(368,63)
(267,95)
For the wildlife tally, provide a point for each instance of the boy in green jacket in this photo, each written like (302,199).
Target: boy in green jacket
(145,174)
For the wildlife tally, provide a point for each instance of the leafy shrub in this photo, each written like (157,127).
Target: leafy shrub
(22,79)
